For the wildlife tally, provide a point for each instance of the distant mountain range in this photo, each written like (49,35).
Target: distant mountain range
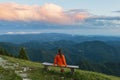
(93,48)
(46,37)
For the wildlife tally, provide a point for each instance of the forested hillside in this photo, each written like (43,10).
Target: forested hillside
(102,55)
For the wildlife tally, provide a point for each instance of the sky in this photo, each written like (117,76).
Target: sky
(82,17)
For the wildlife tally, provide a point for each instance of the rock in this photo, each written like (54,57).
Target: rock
(21,72)
(26,79)
(23,75)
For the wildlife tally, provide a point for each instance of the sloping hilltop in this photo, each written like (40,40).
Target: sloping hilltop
(17,69)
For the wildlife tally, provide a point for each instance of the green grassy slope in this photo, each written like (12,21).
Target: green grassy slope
(6,74)
(38,72)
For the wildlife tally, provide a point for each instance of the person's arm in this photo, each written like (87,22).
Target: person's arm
(55,60)
(64,61)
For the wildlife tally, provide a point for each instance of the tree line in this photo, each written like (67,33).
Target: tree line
(22,54)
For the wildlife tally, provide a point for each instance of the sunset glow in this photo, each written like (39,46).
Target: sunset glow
(48,12)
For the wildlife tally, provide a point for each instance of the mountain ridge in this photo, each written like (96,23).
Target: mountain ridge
(46,37)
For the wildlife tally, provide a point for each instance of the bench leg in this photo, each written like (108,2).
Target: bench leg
(46,68)
(72,70)
(62,69)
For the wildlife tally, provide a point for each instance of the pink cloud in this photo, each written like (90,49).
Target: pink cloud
(49,13)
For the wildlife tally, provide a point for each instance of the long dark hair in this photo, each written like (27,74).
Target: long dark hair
(60,52)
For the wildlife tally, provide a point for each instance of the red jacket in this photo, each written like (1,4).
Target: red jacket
(60,60)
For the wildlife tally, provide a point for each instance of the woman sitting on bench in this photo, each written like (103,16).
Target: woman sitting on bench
(60,60)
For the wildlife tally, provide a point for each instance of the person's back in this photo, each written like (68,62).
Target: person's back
(60,59)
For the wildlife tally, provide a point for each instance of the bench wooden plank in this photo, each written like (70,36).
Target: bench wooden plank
(68,66)
(72,66)
(48,64)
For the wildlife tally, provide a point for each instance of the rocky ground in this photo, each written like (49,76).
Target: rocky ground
(21,71)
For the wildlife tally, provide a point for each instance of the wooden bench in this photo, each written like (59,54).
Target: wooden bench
(72,67)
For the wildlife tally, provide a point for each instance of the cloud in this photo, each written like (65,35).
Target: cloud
(51,15)
(73,11)
(102,22)
(49,12)
(78,15)
(23,32)
(117,11)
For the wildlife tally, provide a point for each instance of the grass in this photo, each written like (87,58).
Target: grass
(6,74)
(38,72)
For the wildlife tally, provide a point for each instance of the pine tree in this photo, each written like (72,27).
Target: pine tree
(2,52)
(5,52)
(22,54)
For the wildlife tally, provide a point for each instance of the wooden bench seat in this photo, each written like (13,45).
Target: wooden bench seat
(72,67)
